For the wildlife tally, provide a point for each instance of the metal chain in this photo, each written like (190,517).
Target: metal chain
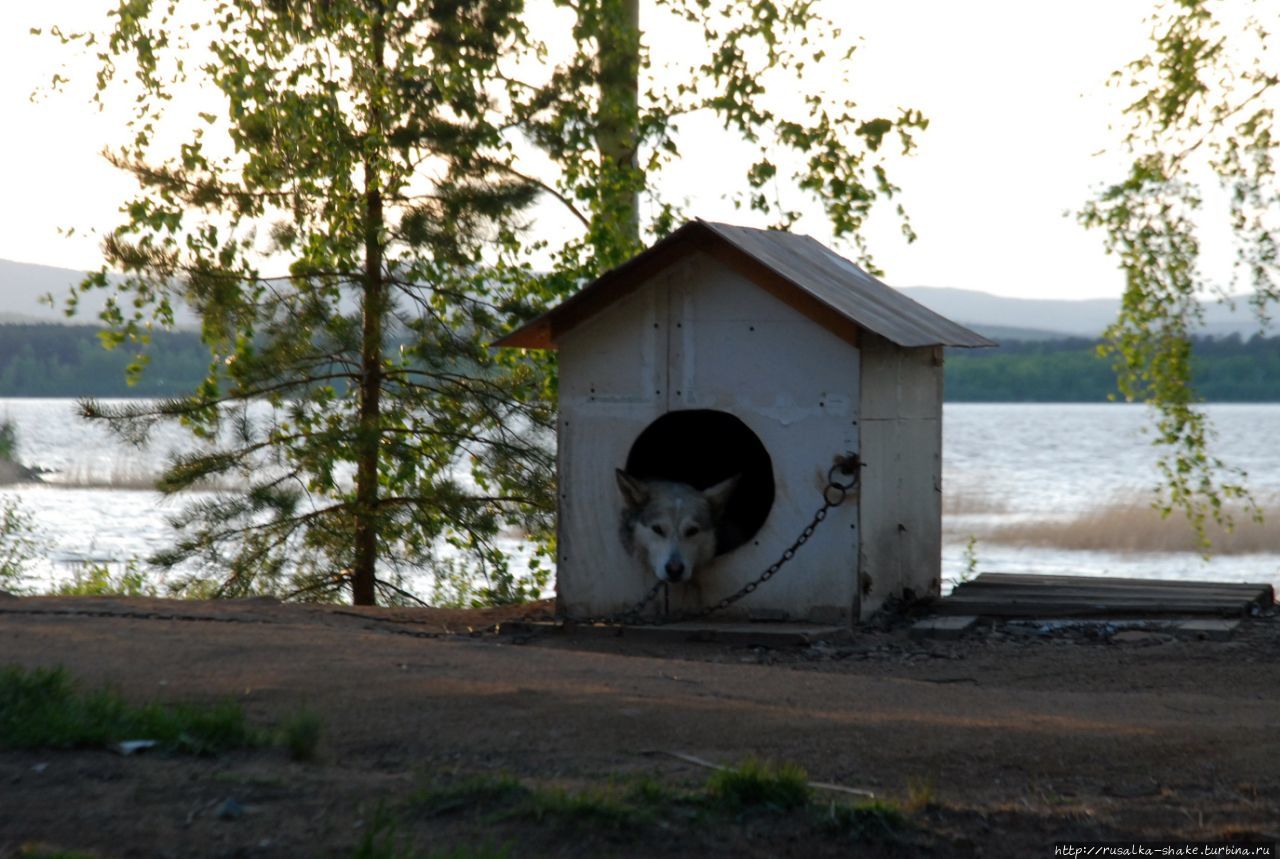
(833,495)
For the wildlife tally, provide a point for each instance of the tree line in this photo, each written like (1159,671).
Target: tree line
(49,360)
(69,361)
(1073,370)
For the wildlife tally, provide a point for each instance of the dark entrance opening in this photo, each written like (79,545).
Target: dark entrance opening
(702,447)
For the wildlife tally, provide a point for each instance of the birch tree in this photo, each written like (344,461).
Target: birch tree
(1201,122)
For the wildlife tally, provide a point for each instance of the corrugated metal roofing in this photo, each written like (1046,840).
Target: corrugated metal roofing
(801,262)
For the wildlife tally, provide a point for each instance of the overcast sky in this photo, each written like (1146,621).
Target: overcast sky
(1014,90)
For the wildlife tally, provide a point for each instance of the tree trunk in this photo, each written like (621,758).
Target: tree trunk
(618,122)
(368,432)
(364,567)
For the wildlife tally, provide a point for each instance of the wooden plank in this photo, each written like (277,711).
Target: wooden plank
(1153,594)
(1153,588)
(1116,599)
(1086,608)
(1080,610)
(1065,607)
(1031,595)
(1035,580)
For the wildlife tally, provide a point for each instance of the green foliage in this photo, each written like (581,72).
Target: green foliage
(758,784)
(98,580)
(8,439)
(1205,103)
(42,708)
(609,143)
(18,544)
(347,227)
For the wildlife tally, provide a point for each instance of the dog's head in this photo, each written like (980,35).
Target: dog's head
(671,527)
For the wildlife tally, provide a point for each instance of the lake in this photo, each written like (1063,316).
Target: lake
(1047,488)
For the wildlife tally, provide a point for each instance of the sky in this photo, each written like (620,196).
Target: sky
(1014,91)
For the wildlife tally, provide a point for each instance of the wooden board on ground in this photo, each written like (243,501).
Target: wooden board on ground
(1036,596)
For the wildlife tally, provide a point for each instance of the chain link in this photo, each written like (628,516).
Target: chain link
(833,495)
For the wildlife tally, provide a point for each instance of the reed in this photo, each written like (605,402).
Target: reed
(1134,526)
(969,503)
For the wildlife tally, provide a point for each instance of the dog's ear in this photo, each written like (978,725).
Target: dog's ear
(718,496)
(634,490)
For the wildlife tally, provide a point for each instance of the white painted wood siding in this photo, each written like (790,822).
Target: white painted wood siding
(701,336)
(902,471)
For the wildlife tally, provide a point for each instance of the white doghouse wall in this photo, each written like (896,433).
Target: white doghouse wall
(699,335)
(901,547)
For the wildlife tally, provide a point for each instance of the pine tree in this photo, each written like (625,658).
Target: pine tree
(329,228)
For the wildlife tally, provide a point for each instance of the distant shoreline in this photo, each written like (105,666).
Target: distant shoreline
(46,360)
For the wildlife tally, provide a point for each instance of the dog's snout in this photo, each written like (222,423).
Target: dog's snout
(675,569)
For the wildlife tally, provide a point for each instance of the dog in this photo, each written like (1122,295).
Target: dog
(671,527)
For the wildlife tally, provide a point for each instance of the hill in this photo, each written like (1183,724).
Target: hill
(23,285)
(1043,318)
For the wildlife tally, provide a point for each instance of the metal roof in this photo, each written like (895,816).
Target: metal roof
(805,271)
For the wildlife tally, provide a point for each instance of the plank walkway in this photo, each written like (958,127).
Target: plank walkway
(1036,596)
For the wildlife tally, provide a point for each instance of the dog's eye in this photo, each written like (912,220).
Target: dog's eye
(657,529)
(691,531)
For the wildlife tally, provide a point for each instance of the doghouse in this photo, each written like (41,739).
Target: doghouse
(723,350)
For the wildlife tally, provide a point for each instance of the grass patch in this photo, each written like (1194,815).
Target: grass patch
(770,805)
(921,793)
(599,808)
(874,820)
(758,784)
(648,791)
(43,708)
(382,840)
(500,798)
(482,793)
(300,735)
(780,793)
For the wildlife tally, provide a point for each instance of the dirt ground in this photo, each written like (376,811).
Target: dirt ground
(1000,743)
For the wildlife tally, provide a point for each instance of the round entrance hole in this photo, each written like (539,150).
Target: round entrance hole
(702,447)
